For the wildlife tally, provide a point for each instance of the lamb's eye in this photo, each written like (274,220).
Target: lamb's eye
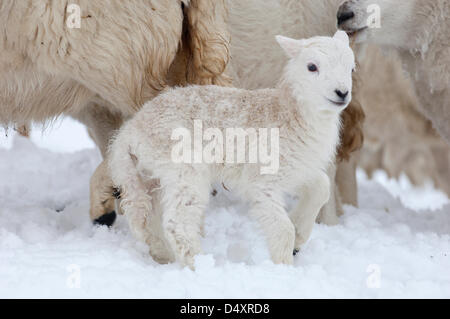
(312,67)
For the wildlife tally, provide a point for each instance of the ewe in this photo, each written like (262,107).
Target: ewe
(123,54)
(420,31)
(164,201)
(397,137)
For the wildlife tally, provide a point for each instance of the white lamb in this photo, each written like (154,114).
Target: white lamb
(304,109)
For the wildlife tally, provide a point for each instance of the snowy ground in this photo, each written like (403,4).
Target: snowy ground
(48,247)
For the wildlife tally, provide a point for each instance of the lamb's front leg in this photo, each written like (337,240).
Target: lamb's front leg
(184,200)
(268,209)
(312,198)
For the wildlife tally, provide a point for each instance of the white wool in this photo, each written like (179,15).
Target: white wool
(157,192)
(419,30)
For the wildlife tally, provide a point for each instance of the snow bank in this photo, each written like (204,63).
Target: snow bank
(48,247)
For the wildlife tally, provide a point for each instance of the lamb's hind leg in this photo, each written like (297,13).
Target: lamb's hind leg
(268,209)
(184,197)
(312,198)
(159,248)
(132,169)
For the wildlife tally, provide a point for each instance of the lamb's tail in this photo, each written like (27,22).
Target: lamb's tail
(136,203)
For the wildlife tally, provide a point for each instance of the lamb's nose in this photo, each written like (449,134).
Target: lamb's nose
(341,94)
(344,15)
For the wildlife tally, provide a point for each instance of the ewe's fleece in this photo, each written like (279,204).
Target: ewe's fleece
(420,31)
(123,54)
(164,202)
(398,138)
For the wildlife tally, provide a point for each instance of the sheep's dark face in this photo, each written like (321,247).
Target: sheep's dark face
(320,70)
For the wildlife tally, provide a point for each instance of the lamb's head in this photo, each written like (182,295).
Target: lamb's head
(319,71)
(384,22)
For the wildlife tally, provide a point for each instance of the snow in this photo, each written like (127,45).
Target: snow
(397,244)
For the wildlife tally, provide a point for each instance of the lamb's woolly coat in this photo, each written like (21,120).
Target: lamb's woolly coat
(122,56)
(156,191)
(140,156)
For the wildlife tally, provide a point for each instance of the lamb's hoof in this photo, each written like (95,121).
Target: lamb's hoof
(296,251)
(106,220)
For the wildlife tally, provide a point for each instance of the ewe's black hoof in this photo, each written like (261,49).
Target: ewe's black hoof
(296,251)
(106,220)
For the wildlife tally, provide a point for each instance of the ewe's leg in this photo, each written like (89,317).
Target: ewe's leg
(346,181)
(441,175)
(333,208)
(102,202)
(435,108)
(101,124)
(184,198)
(267,208)
(312,197)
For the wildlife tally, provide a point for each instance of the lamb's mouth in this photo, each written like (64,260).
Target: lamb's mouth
(337,103)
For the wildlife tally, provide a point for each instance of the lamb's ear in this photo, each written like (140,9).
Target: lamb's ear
(341,35)
(290,46)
